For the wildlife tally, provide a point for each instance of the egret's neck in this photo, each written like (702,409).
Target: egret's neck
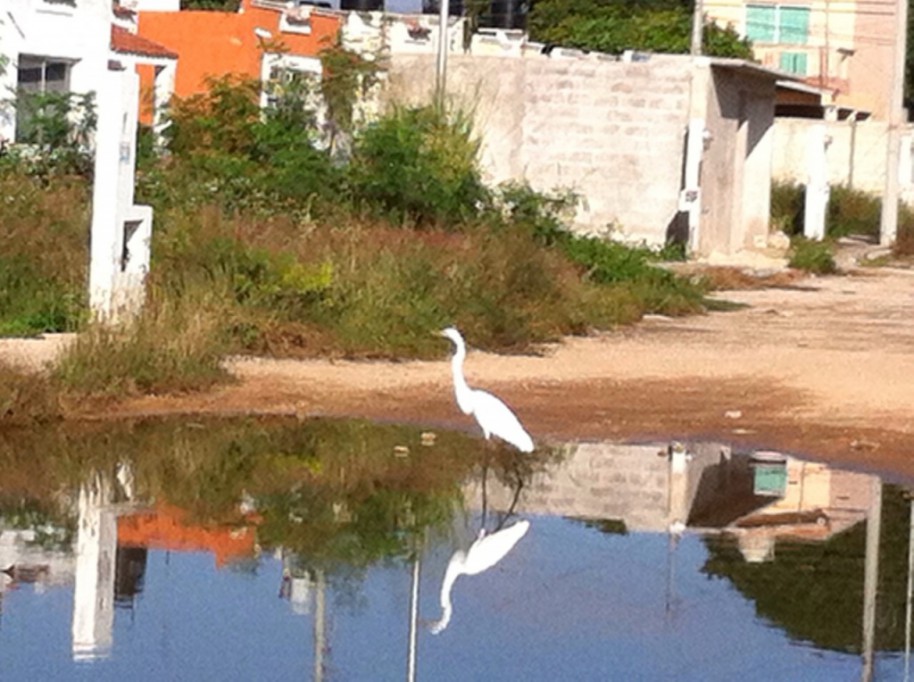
(461,390)
(454,570)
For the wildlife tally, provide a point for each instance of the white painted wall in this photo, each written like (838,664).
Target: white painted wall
(120,231)
(79,33)
(855,155)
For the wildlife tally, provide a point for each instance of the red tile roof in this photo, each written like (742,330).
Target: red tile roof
(122,12)
(125,42)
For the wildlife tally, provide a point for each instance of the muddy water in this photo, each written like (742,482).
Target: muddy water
(353,551)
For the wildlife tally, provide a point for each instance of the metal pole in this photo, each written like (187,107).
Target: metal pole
(698,19)
(871,577)
(888,224)
(441,73)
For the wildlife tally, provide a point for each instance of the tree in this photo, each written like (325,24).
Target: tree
(614,26)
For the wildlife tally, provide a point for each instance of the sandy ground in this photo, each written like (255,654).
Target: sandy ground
(823,369)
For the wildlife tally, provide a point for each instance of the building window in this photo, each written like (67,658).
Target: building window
(793,62)
(779,24)
(38,80)
(42,74)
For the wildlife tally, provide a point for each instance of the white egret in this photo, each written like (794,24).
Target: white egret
(493,416)
(484,553)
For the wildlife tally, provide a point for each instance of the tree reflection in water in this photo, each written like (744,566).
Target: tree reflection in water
(332,498)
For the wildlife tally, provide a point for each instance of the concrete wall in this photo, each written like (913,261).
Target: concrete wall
(855,156)
(612,131)
(637,484)
(737,162)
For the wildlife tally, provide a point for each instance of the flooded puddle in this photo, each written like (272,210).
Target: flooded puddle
(335,550)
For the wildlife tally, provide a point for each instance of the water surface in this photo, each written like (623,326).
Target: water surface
(330,550)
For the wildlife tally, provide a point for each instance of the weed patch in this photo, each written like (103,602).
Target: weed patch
(175,345)
(812,256)
(26,398)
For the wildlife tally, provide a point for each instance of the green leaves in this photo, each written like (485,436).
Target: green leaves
(419,165)
(614,26)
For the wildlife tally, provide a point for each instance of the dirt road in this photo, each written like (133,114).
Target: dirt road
(824,369)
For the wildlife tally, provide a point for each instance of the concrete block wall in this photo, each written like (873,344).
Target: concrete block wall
(596,481)
(613,132)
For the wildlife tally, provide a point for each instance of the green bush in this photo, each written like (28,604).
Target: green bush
(226,151)
(904,244)
(787,204)
(31,303)
(614,26)
(812,256)
(418,166)
(56,129)
(44,225)
(853,211)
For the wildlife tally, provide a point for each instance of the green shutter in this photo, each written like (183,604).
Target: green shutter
(793,62)
(793,25)
(760,23)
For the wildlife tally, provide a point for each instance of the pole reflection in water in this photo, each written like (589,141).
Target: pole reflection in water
(907,620)
(871,577)
(320,640)
(93,596)
(413,619)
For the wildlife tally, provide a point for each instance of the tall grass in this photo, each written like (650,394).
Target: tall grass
(26,398)
(174,345)
(44,230)
(265,244)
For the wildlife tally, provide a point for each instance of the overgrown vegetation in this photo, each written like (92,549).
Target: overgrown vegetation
(812,256)
(43,257)
(268,240)
(850,212)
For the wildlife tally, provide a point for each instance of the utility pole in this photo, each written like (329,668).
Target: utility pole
(441,73)
(698,19)
(888,224)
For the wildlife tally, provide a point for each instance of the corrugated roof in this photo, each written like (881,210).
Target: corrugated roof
(125,42)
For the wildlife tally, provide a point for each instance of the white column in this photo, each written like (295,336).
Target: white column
(93,595)
(163,88)
(121,231)
(104,252)
(817,190)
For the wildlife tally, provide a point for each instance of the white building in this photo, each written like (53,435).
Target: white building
(65,46)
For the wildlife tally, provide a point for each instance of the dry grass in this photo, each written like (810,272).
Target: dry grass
(174,346)
(26,398)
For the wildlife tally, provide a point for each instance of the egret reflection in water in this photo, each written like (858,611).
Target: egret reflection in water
(483,554)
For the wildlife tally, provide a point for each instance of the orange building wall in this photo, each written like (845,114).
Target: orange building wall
(219,43)
(166,528)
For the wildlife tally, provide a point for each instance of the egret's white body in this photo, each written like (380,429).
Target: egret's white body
(484,553)
(493,416)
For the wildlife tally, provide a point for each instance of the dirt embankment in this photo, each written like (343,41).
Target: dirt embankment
(823,368)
